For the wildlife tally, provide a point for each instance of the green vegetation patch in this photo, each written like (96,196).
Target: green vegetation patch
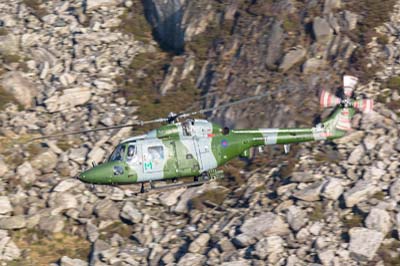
(394,83)
(141,82)
(134,22)
(373,14)
(200,44)
(42,249)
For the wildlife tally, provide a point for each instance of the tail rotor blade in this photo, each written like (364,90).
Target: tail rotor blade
(349,83)
(328,100)
(364,105)
(344,122)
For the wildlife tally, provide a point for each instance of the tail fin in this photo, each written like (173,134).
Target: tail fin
(339,120)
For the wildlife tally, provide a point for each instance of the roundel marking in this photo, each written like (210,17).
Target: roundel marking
(224,143)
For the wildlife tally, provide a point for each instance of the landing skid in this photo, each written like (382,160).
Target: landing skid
(174,186)
(198,180)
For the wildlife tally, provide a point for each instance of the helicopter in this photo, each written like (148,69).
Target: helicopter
(196,147)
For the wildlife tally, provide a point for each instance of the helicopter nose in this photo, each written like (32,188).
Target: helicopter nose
(89,176)
(95,175)
(82,177)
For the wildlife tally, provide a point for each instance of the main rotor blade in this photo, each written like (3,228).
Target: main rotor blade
(77,132)
(222,106)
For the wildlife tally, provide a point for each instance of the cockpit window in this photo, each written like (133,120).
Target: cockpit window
(187,127)
(118,154)
(131,154)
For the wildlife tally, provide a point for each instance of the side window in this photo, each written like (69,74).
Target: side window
(131,155)
(156,153)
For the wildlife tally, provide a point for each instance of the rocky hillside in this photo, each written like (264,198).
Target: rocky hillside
(72,65)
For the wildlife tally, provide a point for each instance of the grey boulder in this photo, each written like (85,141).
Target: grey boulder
(264,224)
(364,243)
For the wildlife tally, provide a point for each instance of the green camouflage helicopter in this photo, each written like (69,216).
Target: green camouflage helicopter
(196,147)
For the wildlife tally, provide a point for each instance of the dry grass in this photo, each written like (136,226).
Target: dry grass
(5,98)
(390,253)
(356,220)
(35,7)
(43,250)
(3,31)
(318,213)
(119,228)
(215,196)
(394,83)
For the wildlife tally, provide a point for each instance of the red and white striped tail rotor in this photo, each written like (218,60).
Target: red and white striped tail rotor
(344,120)
(349,83)
(364,105)
(328,100)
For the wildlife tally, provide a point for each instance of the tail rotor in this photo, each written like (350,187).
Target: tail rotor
(346,103)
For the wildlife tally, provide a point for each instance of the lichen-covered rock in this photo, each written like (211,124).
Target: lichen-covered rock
(296,217)
(364,243)
(198,245)
(26,172)
(53,224)
(66,261)
(3,167)
(191,259)
(12,222)
(310,193)
(20,87)
(331,5)
(170,198)
(292,58)
(356,154)
(269,247)
(332,189)
(68,99)
(94,4)
(5,205)
(130,213)
(63,201)
(274,49)
(360,192)
(322,30)
(8,250)
(78,155)
(312,65)
(66,185)
(264,224)
(378,220)
(106,209)
(45,162)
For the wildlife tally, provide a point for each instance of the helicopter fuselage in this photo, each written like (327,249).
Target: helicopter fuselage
(189,149)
